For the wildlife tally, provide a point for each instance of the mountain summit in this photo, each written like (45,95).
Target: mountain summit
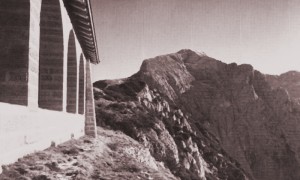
(205,119)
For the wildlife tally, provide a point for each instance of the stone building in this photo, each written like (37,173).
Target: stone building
(46,51)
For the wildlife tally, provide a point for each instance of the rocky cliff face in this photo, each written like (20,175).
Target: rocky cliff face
(206,119)
(289,81)
(129,105)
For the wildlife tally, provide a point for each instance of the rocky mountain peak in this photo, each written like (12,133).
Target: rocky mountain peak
(168,73)
(211,119)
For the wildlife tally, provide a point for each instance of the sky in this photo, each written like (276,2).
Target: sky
(263,33)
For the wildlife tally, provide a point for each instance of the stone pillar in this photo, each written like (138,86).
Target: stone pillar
(90,118)
(14,50)
(34,43)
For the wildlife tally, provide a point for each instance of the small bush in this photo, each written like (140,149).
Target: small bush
(116,95)
(109,98)
(235,174)
(116,106)
(100,84)
(127,127)
(103,117)
(129,167)
(113,146)
(185,174)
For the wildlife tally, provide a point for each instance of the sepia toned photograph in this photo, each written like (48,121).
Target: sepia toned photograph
(149,89)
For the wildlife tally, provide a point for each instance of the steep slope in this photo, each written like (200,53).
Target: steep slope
(227,112)
(255,123)
(289,80)
(112,155)
(144,114)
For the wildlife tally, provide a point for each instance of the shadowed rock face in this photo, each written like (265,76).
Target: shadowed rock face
(144,114)
(227,112)
(289,80)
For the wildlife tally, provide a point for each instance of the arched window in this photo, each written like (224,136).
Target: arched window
(51,56)
(71,75)
(81,86)
(14,49)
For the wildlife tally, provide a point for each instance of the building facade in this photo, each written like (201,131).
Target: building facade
(46,51)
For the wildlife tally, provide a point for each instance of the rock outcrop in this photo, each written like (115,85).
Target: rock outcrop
(289,81)
(205,119)
(145,114)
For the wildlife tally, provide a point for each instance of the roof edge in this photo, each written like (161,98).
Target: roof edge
(81,16)
(97,61)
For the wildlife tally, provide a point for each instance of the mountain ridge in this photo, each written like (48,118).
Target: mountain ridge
(244,113)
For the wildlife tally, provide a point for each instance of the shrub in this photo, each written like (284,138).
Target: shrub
(116,95)
(103,117)
(116,106)
(185,174)
(113,146)
(100,84)
(129,167)
(109,98)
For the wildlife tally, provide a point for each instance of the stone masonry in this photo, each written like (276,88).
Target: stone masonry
(90,118)
(46,48)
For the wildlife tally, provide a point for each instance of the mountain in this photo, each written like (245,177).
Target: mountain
(289,80)
(205,119)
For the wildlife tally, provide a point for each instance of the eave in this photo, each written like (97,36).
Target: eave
(80,13)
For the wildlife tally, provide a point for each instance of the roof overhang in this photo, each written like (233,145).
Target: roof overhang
(81,16)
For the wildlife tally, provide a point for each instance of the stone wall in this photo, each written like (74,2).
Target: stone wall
(23,131)
(45,81)
(14,33)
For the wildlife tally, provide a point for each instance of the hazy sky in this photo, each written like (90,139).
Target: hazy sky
(264,33)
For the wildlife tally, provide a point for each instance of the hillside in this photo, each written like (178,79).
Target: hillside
(206,119)
(183,116)
(289,80)
(112,155)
